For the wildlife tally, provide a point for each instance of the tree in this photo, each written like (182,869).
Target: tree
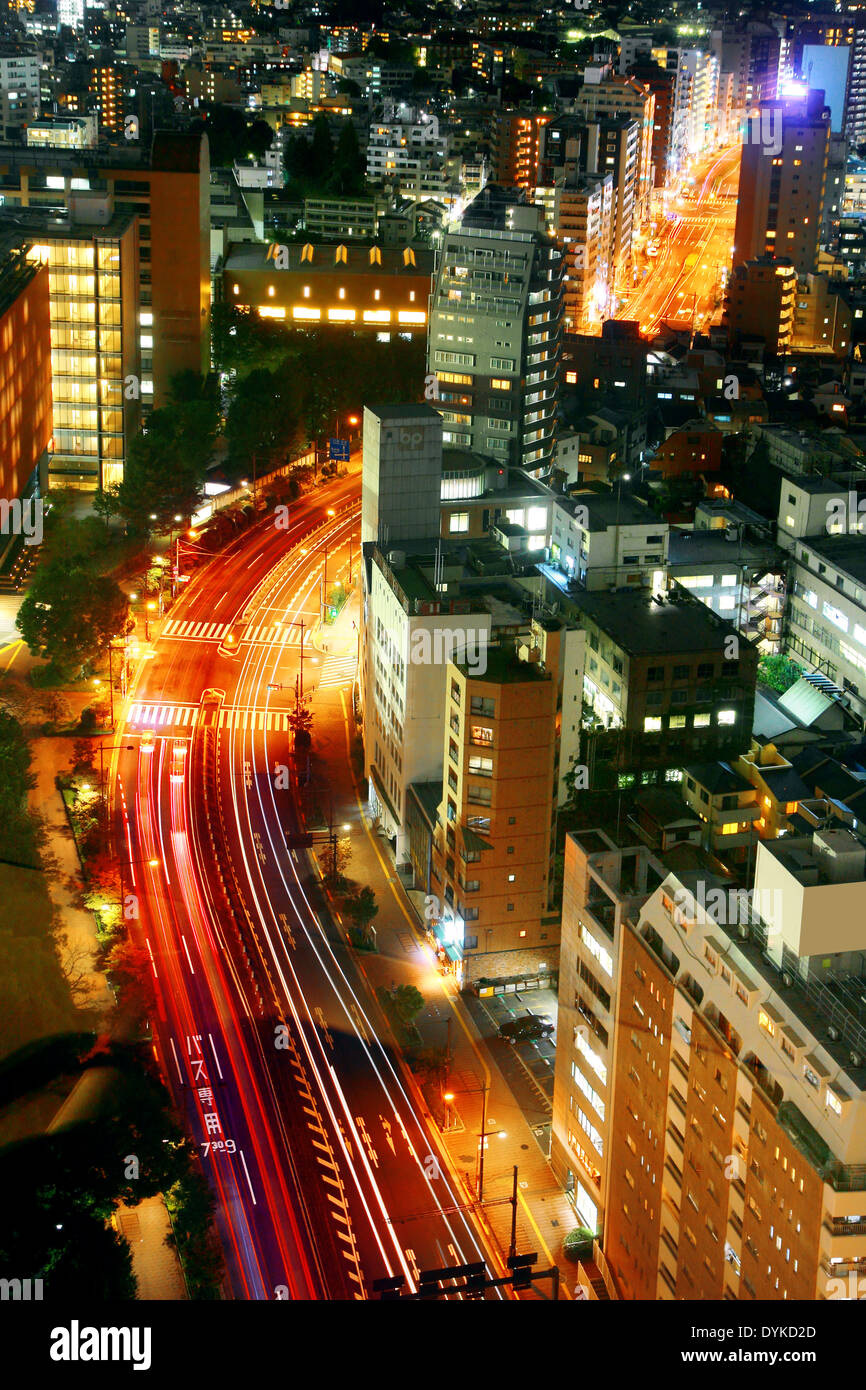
(363,909)
(336,855)
(265,420)
(408,1001)
(69,616)
(128,964)
(166,466)
(779,672)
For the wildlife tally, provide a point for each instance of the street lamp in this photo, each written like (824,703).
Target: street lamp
(148,610)
(483,1136)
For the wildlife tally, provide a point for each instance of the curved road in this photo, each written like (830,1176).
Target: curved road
(325,1173)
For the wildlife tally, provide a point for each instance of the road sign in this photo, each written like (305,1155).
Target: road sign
(339,450)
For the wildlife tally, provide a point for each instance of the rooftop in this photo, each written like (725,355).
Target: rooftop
(846,553)
(504,667)
(607,509)
(642,627)
(254,256)
(717,778)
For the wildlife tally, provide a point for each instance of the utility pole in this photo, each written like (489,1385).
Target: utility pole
(484,1089)
(302,658)
(512,1249)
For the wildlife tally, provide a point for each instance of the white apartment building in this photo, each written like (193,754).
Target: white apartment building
(820,525)
(495,328)
(405,698)
(607,542)
(405,148)
(19,86)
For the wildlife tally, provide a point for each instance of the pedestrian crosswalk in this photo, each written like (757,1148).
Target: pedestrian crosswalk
(165,717)
(337,671)
(207,632)
(269,634)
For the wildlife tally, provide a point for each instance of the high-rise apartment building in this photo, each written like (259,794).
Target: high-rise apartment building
(495,329)
(92,260)
(783,184)
(668,682)
(605,94)
(660,82)
(759,302)
(582,215)
(516,147)
(405,150)
(492,864)
(736,1136)
(750,52)
(602,886)
(25,372)
(107,86)
(168,186)
(19,89)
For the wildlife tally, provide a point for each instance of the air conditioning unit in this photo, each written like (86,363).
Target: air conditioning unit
(833,1033)
(743,931)
(787,980)
(855,1058)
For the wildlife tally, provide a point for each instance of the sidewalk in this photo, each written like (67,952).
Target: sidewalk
(544,1215)
(155,1265)
(77,932)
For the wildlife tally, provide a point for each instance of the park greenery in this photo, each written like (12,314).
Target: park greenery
(316,164)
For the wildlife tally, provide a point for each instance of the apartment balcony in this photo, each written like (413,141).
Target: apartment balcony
(764,1078)
(678,1099)
(668,1278)
(675,1171)
(677,1136)
(851,1245)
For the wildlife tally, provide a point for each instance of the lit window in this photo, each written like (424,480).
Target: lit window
(306,291)
(765,1022)
(701,721)
(652,724)
(341,293)
(834,1102)
(727,716)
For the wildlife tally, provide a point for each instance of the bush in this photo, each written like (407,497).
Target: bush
(577,1245)
(87,722)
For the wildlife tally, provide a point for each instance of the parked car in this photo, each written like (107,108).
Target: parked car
(528,1028)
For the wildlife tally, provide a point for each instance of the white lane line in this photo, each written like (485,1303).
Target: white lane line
(189,958)
(247,1171)
(215,1057)
(177,1063)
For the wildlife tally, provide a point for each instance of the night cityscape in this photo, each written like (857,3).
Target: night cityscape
(432,665)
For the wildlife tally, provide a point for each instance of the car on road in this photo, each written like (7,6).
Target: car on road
(527,1028)
(178,760)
